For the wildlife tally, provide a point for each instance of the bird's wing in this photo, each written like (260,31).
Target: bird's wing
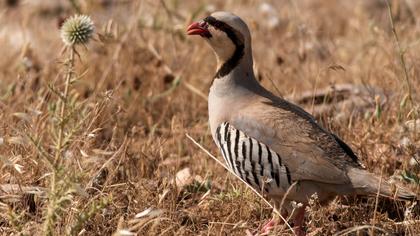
(310,152)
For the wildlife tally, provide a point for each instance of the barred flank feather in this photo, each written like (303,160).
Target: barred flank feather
(253,161)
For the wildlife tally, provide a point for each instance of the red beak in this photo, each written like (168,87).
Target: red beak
(197,28)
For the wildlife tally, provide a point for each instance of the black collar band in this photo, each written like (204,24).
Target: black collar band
(237,39)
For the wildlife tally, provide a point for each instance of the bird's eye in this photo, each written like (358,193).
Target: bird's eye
(204,25)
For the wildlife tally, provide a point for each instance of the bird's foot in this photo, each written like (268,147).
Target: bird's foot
(269,226)
(265,230)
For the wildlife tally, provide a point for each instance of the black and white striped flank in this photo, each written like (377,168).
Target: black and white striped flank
(253,161)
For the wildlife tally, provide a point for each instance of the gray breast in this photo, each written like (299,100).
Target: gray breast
(252,161)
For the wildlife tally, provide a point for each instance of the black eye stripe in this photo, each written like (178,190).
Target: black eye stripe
(233,34)
(213,22)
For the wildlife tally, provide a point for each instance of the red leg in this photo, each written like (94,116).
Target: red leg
(298,221)
(265,230)
(268,226)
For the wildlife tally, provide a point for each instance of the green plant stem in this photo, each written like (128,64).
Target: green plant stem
(48,223)
(50,217)
(63,103)
(413,109)
(400,54)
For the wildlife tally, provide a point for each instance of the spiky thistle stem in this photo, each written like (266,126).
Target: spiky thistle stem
(62,116)
(77,30)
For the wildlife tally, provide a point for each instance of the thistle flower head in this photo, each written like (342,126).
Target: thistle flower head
(77,29)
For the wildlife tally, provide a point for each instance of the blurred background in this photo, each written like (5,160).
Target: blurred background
(127,167)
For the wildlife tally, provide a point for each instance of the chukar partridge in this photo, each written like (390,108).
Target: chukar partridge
(269,142)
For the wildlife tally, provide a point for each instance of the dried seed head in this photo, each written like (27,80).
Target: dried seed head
(77,29)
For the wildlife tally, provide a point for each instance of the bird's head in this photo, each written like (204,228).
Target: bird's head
(229,37)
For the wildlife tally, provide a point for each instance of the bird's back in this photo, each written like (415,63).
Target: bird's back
(271,138)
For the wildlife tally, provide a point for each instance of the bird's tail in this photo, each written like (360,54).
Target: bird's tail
(367,183)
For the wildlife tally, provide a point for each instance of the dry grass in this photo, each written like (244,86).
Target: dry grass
(142,85)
